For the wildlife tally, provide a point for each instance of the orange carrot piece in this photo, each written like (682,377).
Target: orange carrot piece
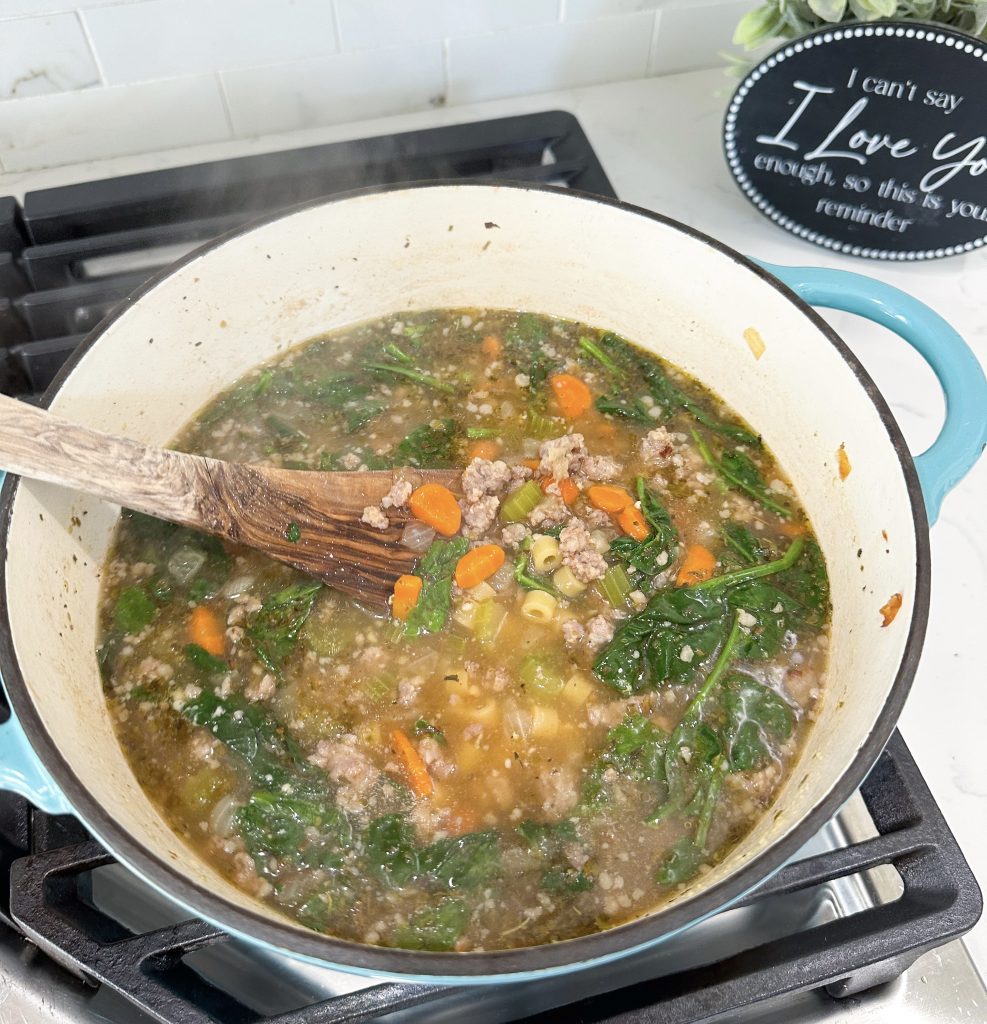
(407,590)
(436,506)
(206,629)
(568,491)
(571,393)
(485,449)
(414,767)
(491,346)
(479,564)
(532,464)
(609,499)
(843,462)
(889,611)
(698,565)
(631,520)
(461,820)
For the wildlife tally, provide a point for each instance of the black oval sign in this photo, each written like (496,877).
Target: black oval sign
(868,139)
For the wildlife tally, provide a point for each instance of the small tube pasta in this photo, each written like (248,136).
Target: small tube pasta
(565,582)
(539,606)
(545,554)
(577,688)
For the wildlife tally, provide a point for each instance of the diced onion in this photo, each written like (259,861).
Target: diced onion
(417,536)
(517,721)
(221,816)
(502,578)
(238,585)
(185,563)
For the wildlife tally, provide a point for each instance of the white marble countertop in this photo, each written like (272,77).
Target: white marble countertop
(659,142)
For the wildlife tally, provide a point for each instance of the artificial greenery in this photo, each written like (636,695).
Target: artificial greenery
(789,19)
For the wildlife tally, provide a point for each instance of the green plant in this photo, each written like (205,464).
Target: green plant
(788,19)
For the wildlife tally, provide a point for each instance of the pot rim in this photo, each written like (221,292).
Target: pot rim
(492,965)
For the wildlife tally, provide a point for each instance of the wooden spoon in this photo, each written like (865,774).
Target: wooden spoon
(255,506)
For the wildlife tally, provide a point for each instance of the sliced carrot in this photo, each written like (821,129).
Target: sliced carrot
(206,629)
(407,590)
(698,565)
(889,612)
(461,820)
(485,449)
(792,529)
(568,491)
(414,767)
(609,499)
(631,520)
(479,564)
(436,506)
(532,464)
(491,346)
(571,393)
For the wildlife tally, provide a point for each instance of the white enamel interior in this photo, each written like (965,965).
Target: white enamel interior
(324,267)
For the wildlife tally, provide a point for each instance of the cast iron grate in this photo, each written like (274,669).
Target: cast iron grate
(70,254)
(48,860)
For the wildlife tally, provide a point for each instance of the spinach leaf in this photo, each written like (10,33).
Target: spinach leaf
(738,470)
(201,659)
(359,415)
(134,610)
(771,609)
(273,629)
(744,543)
(566,880)
(434,928)
(331,462)
(524,344)
(623,406)
(756,715)
(432,609)
(682,862)
(409,373)
(806,584)
(522,572)
(646,555)
(286,437)
(635,749)
(390,850)
(275,824)
(428,447)
(548,840)
(425,728)
(463,862)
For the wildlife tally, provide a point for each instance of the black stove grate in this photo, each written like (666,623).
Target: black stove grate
(68,255)
(49,861)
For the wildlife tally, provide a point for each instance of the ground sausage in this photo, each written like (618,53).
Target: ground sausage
(579,553)
(373,516)
(398,495)
(479,515)
(556,456)
(482,477)
(549,513)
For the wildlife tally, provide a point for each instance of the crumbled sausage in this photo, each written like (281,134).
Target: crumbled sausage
(373,516)
(549,513)
(578,552)
(398,495)
(573,632)
(599,631)
(482,477)
(432,754)
(514,534)
(519,474)
(658,447)
(479,515)
(595,467)
(556,456)
(260,689)
(345,762)
(350,461)
(559,792)
(408,689)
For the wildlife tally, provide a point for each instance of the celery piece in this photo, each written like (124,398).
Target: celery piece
(519,503)
(487,621)
(543,427)
(541,674)
(616,586)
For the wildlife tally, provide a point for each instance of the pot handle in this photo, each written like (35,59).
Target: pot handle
(20,770)
(964,432)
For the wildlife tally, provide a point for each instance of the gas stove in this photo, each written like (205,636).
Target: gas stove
(862,925)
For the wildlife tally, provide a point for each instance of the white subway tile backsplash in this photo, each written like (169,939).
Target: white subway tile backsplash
(327,90)
(549,57)
(92,124)
(579,10)
(139,42)
(369,24)
(693,35)
(43,55)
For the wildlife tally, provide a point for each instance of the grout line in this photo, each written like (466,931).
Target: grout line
(651,68)
(225,100)
(92,46)
(336,27)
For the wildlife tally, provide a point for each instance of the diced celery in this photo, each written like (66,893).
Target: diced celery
(543,427)
(487,622)
(519,503)
(541,675)
(616,586)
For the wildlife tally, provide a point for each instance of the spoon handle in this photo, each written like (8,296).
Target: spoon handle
(34,443)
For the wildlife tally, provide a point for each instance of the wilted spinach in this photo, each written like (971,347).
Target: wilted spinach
(273,629)
(429,447)
(435,927)
(432,608)
(645,556)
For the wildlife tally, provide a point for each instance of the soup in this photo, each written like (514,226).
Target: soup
(592,687)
